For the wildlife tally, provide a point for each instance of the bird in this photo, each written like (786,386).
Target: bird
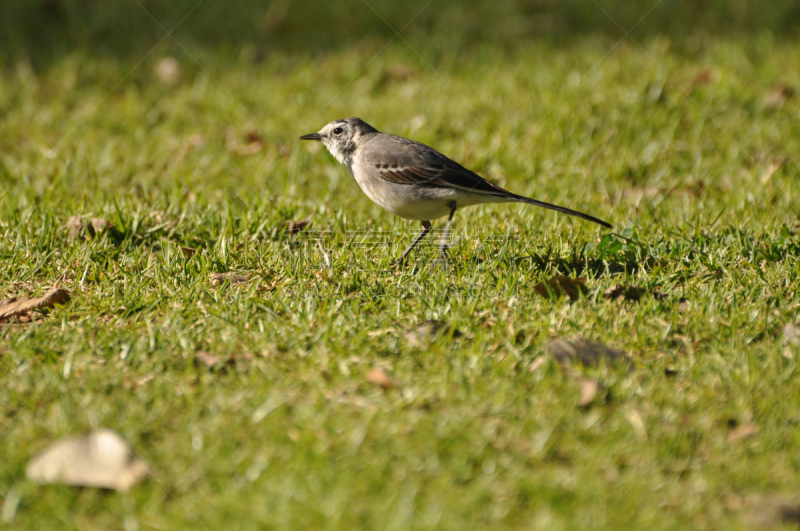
(412,180)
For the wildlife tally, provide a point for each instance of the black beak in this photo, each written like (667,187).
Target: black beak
(312,136)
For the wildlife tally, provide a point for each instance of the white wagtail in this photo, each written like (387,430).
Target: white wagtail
(412,180)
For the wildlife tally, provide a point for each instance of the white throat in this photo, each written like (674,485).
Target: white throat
(335,150)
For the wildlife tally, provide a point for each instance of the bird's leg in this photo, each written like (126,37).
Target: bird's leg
(426,228)
(443,246)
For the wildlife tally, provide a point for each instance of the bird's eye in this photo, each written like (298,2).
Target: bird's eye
(338,131)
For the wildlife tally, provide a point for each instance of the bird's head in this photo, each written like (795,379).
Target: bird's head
(341,137)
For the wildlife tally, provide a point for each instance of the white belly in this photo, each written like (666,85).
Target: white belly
(423,203)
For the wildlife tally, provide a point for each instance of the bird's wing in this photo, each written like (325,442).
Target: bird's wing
(404,161)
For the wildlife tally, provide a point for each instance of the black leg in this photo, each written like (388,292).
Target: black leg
(426,228)
(443,246)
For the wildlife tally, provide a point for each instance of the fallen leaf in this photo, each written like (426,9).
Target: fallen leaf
(220,278)
(168,70)
(144,379)
(188,252)
(397,72)
(78,227)
(560,285)
(589,389)
(101,459)
(629,293)
(247,150)
(585,352)
(790,512)
(253,143)
(98,225)
(635,418)
(75,227)
(535,364)
(743,431)
(658,295)
(206,358)
(778,95)
(253,136)
(702,78)
(378,377)
(210,360)
(774,165)
(791,335)
(767,511)
(427,331)
(635,195)
(293,227)
(21,306)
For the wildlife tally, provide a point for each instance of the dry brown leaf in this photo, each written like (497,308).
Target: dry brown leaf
(78,227)
(589,389)
(535,364)
(188,252)
(75,227)
(206,358)
(144,379)
(767,511)
(743,431)
(101,459)
(635,418)
(630,293)
(634,195)
(253,143)
(21,306)
(702,78)
(790,335)
(774,165)
(98,225)
(427,331)
(378,377)
(790,512)
(397,72)
(219,278)
(579,350)
(168,71)
(253,136)
(778,95)
(561,285)
(210,360)
(293,227)
(246,150)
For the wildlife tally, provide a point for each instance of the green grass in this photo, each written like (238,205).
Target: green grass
(470,437)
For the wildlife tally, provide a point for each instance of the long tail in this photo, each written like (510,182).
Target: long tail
(587,217)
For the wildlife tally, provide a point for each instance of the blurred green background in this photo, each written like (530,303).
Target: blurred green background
(45,30)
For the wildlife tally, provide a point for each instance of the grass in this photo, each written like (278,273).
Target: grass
(671,142)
